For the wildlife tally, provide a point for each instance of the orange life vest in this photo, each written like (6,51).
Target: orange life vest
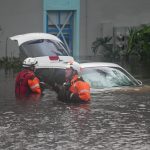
(81,88)
(34,85)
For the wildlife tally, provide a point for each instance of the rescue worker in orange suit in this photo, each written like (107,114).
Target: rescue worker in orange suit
(76,89)
(27,85)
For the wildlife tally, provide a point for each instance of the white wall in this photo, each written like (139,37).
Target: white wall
(18,17)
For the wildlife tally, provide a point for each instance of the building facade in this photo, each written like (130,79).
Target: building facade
(77,22)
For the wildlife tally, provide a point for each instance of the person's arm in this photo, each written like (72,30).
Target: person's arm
(34,84)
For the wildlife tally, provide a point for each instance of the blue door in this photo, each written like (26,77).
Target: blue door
(60,23)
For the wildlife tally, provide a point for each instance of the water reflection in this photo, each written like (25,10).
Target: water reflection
(113,120)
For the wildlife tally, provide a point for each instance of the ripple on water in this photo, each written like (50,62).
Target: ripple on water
(111,121)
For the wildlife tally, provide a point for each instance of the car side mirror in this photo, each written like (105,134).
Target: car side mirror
(140,82)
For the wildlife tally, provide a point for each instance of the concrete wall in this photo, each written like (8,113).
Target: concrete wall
(94,13)
(18,17)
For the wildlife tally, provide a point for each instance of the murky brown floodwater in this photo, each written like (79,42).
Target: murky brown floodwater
(112,121)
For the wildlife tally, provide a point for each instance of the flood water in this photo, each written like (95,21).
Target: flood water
(112,121)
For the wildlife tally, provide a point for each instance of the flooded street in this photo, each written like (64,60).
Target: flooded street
(112,121)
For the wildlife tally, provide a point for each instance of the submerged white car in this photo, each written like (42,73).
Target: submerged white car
(49,51)
(111,77)
(102,76)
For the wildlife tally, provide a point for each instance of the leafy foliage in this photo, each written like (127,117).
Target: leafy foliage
(10,62)
(101,42)
(139,42)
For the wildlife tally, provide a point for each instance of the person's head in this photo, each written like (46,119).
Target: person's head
(72,69)
(29,63)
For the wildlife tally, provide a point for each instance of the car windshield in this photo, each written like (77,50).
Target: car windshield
(107,77)
(42,47)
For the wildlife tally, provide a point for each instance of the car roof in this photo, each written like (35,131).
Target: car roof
(34,36)
(98,64)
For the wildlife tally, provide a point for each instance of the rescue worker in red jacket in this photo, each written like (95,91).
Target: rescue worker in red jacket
(76,89)
(26,82)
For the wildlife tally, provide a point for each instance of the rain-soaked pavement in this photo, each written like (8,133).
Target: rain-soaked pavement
(112,121)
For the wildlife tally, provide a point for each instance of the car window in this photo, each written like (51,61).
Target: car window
(42,47)
(62,48)
(106,77)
